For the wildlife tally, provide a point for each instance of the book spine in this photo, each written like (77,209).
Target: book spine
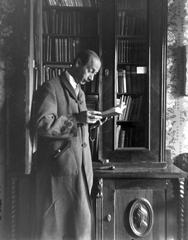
(121,139)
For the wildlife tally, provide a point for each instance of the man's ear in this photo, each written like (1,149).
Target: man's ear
(78,62)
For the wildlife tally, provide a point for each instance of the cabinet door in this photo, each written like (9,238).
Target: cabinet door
(134,52)
(137,209)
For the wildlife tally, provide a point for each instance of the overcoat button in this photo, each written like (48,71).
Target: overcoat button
(84,145)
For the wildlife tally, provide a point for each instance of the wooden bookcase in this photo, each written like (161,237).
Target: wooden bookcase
(131,76)
(62,29)
(132,46)
(135,57)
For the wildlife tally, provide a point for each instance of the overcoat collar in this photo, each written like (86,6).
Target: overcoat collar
(65,82)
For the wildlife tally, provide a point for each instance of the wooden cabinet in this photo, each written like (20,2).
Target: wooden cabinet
(137,203)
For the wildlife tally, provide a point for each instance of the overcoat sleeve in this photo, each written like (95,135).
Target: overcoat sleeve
(48,123)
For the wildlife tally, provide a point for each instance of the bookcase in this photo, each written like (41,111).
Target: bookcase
(135,55)
(132,46)
(130,38)
(131,128)
(62,29)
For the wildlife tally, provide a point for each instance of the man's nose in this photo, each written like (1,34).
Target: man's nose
(91,77)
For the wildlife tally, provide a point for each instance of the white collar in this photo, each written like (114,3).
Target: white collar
(71,80)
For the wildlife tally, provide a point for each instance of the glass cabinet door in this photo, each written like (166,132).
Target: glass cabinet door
(131,76)
(135,55)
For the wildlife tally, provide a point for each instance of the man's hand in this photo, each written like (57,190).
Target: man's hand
(90,117)
(122,106)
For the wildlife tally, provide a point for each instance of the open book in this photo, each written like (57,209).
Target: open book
(112,112)
(117,110)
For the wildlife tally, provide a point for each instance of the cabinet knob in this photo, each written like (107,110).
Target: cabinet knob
(106,72)
(108,218)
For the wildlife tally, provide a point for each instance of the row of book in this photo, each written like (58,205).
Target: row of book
(134,108)
(132,4)
(131,51)
(130,136)
(129,81)
(72,3)
(70,22)
(49,72)
(131,25)
(53,71)
(65,49)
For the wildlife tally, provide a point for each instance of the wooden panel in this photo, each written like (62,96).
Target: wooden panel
(108,211)
(120,194)
(124,199)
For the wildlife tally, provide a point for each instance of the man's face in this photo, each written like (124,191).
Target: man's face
(87,72)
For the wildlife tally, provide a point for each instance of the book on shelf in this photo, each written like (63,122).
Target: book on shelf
(128,78)
(134,79)
(65,49)
(131,51)
(118,129)
(45,22)
(132,4)
(125,138)
(122,85)
(134,106)
(70,22)
(130,25)
(72,3)
(121,141)
(139,108)
(53,70)
(127,110)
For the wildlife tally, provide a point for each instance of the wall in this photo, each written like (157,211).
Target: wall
(14,24)
(177,81)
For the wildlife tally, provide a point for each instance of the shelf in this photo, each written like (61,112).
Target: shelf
(57,35)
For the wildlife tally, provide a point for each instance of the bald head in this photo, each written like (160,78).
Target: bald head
(85,56)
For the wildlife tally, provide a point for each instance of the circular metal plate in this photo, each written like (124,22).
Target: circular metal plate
(141,217)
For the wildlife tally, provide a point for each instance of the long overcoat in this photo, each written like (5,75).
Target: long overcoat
(64,166)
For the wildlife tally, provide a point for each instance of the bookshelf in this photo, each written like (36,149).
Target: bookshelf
(136,60)
(132,45)
(131,128)
(62,29)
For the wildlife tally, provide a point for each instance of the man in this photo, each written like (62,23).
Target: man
(64,165)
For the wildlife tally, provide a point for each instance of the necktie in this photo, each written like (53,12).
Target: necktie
(77,90)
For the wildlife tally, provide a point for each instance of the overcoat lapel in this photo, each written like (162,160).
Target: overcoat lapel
(66,84)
